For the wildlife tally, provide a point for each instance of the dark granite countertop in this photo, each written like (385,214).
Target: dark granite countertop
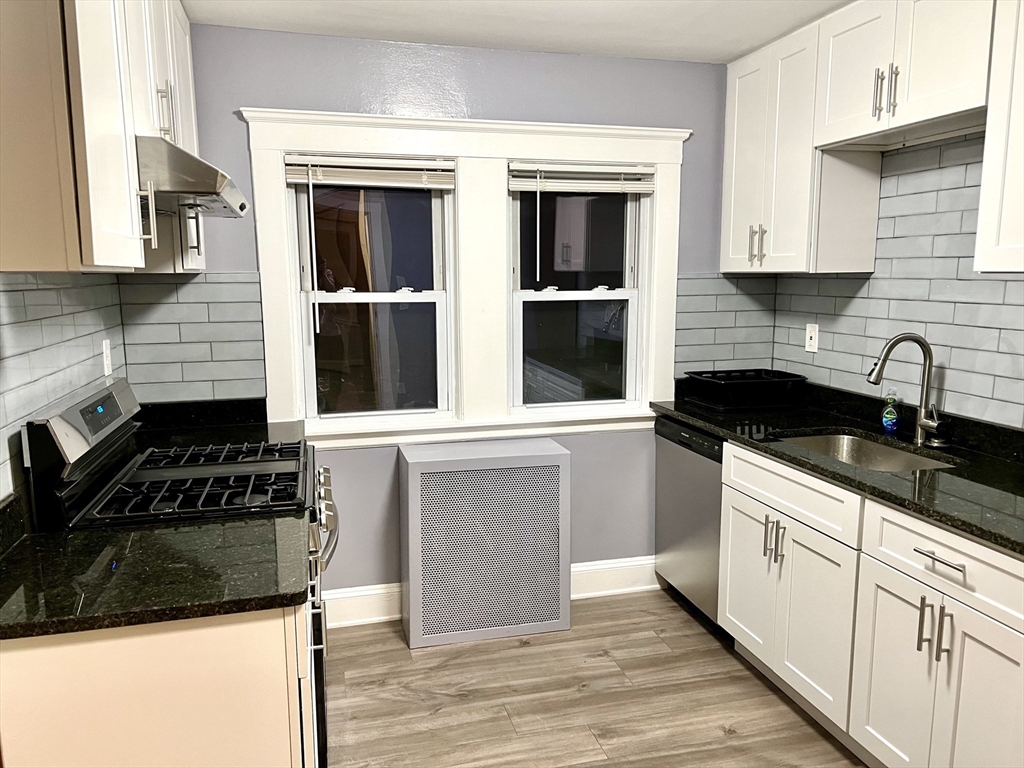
(981,496)
(96,578)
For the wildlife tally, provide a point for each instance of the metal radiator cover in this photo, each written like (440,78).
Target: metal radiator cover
(485,540)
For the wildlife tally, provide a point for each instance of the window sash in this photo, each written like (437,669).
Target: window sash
(632,358)
(636,214)
(443,235)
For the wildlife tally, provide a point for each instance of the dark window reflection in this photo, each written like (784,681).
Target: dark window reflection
(582,240)
(373,239)
(376,357)
(573,350)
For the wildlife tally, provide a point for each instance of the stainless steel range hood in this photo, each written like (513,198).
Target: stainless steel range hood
(180,179)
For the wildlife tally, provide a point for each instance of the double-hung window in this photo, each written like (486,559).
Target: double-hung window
(374,235)
(579,246)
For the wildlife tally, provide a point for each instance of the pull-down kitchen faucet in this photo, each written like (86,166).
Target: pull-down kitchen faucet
(927,416)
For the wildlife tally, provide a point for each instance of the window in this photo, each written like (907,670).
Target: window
(577,237)
(372,244)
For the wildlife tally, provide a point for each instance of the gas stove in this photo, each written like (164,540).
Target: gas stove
(84,468)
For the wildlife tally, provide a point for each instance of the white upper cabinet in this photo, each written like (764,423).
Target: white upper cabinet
(940,61)
(182,82)
(890,63)
(769,161)
(789,157)
(103,125)
(150,59)
(1000,242)
(855,50)
(746,120)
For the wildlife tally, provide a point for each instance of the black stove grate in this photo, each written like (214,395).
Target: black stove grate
(220,454)
(208,496)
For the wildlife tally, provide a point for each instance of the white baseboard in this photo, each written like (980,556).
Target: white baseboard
(383,602)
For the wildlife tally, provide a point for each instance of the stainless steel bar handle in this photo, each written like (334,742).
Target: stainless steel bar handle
(191,215)
(930,554)
(939,650)
(761,232)
(921,639)
(318,609)
(890,106)
(779,530)
(164,94)
(767,534)
(174,112)
(751,234)
(149,194)
(876,94)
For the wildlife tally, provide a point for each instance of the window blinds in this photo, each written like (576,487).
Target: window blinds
(563,177)
(370,171)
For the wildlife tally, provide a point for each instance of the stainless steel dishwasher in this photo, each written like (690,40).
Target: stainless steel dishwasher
(688,511)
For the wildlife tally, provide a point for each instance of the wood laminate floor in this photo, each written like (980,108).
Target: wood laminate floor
(636,682)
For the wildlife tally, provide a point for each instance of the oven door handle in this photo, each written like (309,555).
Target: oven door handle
(330,546)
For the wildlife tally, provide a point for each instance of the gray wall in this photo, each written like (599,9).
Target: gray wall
(52,328)
(611,496)
(193,337)
(249,68)
(923,282)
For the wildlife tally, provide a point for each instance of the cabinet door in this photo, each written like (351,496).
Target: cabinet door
(814,616)
(103,124)
(746,117)
(747,579)
(183,87)
(932,75)
(979,695)
(1000,242)
(149,55)
(854,47)
(894,670)
(789,156)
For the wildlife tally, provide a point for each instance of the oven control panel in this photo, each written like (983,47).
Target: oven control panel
(101,413)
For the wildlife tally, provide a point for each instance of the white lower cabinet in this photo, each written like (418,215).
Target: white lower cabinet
(935,683)
(786,593)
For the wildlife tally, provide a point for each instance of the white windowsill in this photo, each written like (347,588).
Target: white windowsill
(343,433)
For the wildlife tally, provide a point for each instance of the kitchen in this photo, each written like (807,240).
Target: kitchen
(391,296)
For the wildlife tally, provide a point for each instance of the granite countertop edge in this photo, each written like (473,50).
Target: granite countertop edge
(1012,546)
(140,616)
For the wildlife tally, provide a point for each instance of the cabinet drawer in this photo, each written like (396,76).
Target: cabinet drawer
(986,580)
(834,511)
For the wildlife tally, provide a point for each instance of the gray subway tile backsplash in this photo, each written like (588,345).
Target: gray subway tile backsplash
(185,332)
(923,282)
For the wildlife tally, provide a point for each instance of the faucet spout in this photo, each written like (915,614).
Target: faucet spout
(927,416)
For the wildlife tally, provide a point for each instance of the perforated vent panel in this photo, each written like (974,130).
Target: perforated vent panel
(490,548)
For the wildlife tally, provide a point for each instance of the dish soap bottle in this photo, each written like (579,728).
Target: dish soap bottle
(891,412)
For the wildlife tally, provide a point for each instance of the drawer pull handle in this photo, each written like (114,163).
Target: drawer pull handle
(939,650)
(921,639)
(962,567)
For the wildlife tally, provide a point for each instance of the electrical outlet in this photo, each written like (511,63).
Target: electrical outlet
(108,367)
(811,339)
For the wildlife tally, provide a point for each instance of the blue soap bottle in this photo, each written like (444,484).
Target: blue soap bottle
(891,412)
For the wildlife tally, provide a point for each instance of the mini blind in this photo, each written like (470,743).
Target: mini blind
(370,171)
(564,177)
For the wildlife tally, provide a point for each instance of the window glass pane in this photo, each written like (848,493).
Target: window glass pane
(376,357)
(373,239)
(574,350)
(582,240)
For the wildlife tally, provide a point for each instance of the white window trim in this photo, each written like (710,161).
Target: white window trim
(479,295)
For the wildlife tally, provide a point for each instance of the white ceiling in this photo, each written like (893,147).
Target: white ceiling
(680,30)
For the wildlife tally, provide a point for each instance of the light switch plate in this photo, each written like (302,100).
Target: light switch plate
(108,367)
(811,339)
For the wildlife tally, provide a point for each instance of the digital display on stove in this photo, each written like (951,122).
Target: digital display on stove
(101,414)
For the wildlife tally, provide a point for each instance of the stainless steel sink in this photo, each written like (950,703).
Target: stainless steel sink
(866,454)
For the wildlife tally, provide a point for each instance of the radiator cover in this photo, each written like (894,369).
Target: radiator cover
(485,540)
